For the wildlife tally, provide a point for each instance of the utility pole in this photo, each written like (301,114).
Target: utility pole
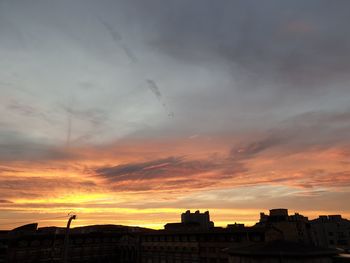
(66,239)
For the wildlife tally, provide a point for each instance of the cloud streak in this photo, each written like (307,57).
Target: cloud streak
(152,85)
(119,41)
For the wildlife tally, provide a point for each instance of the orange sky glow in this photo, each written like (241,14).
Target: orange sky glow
(150,188)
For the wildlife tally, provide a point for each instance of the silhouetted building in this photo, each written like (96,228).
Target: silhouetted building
(235,225)
(280,252)
(196,239)
(93,244)
(193,240)
(295,228)
(3,246)
(331,231)
(199,245)
(203,219)
(191,221)
(342,258)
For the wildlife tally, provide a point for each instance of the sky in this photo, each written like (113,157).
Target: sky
(131,111)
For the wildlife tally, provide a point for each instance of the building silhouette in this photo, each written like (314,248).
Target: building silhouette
(203,219)
(193,240)
(192,221)
(295,228)
(90,244)
(331,231)
(281,252)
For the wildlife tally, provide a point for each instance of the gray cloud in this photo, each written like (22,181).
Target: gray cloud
(310,130)
(163,168)
(170,173)
(253,148)
(322,129)
(29,111)
(94,116)
(220,63)
(94,119)
(302,133)
(273,40)
(15,146)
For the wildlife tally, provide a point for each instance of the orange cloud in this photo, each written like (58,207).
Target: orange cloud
(122,178)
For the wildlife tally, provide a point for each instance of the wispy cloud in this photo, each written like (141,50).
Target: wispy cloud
(251,149)
(31,151)
(29,111)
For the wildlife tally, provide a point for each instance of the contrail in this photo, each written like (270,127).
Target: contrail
(152,85)
(69,131)
(154,88)
(129,54)
(69,125)
(115,35)
(119,41)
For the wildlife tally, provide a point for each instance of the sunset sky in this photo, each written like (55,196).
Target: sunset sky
(133,111)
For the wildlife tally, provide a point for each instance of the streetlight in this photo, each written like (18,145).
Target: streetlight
(66,239)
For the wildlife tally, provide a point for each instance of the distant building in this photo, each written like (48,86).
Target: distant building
(203,219)
(192,221)
(331,231)
(235,225)
(199,246)
(295,228)
(281,252)
(196,239)
(93,244)
(277,237)
(3,246)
